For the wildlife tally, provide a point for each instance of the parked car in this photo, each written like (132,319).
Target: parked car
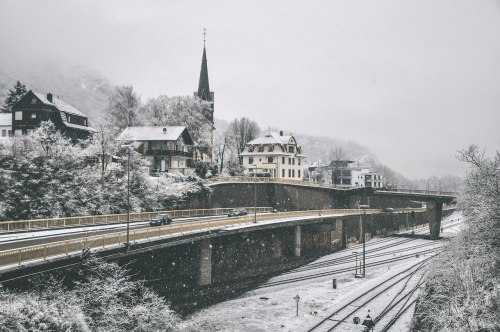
(161,219)
(237,212)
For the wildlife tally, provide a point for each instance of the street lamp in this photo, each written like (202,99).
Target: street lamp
(255,195)
(363,217)
(128,147)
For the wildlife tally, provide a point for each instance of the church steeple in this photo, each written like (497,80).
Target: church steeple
(204,92)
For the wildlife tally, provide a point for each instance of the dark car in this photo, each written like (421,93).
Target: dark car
(237,212)
(161,219)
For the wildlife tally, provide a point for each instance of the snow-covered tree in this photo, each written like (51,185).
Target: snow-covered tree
(182,111)
(13,96)
(462,292)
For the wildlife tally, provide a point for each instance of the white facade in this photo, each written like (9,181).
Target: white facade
(5,125)
(277,155)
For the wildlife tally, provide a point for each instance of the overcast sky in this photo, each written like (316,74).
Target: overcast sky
(414,81)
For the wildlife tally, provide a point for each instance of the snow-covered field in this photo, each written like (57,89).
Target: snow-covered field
(272,306)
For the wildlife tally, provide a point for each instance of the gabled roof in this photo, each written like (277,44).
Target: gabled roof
(155,134)
(59,103)
(5,119)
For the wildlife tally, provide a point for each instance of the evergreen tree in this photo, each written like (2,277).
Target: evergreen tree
(13,96)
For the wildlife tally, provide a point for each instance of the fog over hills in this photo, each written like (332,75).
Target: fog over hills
(87,90)
(82,87)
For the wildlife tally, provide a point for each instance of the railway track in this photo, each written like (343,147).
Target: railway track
(408,281)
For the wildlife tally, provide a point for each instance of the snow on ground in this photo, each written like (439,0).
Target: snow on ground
(273,308)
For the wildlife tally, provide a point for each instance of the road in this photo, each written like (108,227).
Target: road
(26,239)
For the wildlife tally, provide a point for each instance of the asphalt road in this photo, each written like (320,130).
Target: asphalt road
(9,241)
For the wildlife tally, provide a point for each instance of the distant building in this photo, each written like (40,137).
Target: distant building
(349,174)
(34,107)
(205,94)
(5,125)
(169,149)
(275,155)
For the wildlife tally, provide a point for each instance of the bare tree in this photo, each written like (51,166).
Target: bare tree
(243,131)
(123,109)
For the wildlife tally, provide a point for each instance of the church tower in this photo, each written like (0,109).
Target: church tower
(204,92)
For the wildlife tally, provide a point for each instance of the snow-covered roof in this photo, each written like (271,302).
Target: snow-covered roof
(5,119)
(152,133)
(87,128)
(59,103)
(271,138)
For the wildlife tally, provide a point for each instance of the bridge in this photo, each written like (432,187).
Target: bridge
(206,240)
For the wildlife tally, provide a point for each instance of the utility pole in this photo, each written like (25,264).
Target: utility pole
(127,243)
(364,239)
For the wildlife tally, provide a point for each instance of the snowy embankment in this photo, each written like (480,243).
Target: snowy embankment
(272,306)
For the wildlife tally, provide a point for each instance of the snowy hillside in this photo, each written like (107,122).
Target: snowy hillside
(82,87)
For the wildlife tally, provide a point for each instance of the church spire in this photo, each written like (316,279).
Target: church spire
(204,92)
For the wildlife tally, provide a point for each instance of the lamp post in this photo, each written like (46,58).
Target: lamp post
(255,195)
(363,217)
(128,147)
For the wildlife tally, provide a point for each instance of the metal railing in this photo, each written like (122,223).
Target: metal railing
(61,248)
(251,179)
(421,191)
(51,223)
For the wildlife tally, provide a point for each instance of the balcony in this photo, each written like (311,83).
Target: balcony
(168,153)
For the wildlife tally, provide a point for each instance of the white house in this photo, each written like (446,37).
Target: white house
(346,173)
(5,124)
(275,154)
(169,149)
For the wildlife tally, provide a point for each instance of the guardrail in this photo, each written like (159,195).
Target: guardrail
(44,251)
(50,223)
(420,191)
(239,179)
(251,179)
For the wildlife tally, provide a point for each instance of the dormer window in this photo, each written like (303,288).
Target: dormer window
(250,149)
(261,148)
(271,148)
(291,149)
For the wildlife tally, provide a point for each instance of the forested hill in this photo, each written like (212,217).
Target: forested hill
(84,88)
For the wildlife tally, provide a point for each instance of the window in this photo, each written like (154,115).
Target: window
(250,160)
(289,161)
(10,133)
(289,173)
(282,173)
(33,115)
(298,173)
(4,132)
(250,149)
(291,149)
(33,101)
(293,161)
(261,148)
(18,115)
(293,173)
(271,148)
(298,161)
(283,161)
(270,160)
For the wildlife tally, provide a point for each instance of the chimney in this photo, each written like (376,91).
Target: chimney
(281,132)
(49,97)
